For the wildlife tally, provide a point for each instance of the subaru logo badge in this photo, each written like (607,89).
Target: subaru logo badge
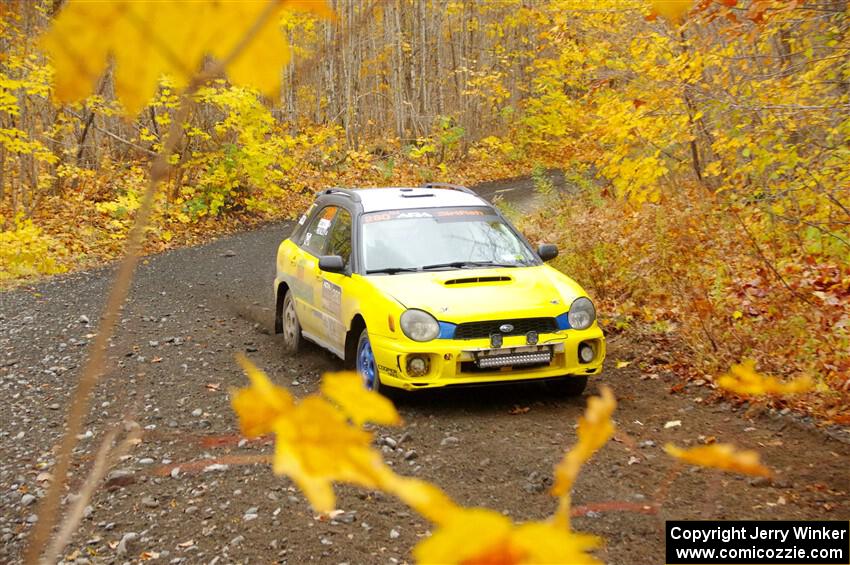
(506,328)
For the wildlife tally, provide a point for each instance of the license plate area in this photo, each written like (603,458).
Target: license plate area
(509,358)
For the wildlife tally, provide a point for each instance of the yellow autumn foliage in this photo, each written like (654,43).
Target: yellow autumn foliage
(595,428)
(745,380)
(315,443)
(148,39)
(722,456)
(319,440)
(643,109)
(361,405)
(260,405)
(473,536)
(672,10)
(25,250)
(427,499)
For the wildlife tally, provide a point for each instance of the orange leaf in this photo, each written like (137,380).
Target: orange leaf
(672,10)
(745,380)
(722,456)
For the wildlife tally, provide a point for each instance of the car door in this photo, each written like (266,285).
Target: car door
(334,284)
(308,301)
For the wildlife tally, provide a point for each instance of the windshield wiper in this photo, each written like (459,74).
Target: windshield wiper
(469,264)
(392,270)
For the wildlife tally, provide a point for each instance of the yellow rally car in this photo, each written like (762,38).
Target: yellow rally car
(431,287)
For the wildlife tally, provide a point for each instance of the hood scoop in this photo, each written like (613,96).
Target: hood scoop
(473,280)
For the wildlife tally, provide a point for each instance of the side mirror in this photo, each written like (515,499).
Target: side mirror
(547,251)
(331,264)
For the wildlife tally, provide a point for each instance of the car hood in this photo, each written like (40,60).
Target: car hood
(467,294)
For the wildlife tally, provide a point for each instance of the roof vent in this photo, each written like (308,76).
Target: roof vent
(472,280)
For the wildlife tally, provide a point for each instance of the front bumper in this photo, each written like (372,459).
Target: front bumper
(453,362)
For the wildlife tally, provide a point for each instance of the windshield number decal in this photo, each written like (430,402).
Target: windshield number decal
(382,217)
(450,213)
(403,215)
(322,227)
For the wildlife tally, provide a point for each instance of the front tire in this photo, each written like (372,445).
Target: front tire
(365,363)
(293,341)
(567,386)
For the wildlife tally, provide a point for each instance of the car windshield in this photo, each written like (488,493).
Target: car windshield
(439,238)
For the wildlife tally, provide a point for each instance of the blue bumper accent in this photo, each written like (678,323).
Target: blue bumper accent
(447,330)
(563,321)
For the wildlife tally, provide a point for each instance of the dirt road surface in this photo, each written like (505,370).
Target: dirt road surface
(172,363)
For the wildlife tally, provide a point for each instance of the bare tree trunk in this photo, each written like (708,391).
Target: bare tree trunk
(398,61)
(90,118)
(438,57)
(424,75)
(2,172)
(330,67)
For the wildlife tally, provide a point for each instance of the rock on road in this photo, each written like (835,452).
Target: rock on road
(191,493)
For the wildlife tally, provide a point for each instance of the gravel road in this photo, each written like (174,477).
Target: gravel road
(187,495)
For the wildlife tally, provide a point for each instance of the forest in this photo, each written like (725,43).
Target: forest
(710,160)
(692,158)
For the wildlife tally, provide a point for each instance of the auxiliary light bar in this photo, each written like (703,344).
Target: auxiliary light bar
(518,359)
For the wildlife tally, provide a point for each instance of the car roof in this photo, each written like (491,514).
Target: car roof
(402,198)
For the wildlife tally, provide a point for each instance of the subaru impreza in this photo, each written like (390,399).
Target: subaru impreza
(427,287)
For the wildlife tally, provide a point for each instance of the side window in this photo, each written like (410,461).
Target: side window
(339,241)
(297,235)
(316,234)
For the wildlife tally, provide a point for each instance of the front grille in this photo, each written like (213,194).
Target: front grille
(521,326)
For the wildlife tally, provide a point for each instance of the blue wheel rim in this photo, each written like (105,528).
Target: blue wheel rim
(366,364)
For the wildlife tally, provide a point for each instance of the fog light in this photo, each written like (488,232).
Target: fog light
(585,352)
(417,366)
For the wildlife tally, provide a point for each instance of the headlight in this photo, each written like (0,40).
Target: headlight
(419,325)
(582,313)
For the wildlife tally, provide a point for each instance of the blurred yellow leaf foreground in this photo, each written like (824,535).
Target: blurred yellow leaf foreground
(745,380)
(149,39)
(319,441)
(721,456)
